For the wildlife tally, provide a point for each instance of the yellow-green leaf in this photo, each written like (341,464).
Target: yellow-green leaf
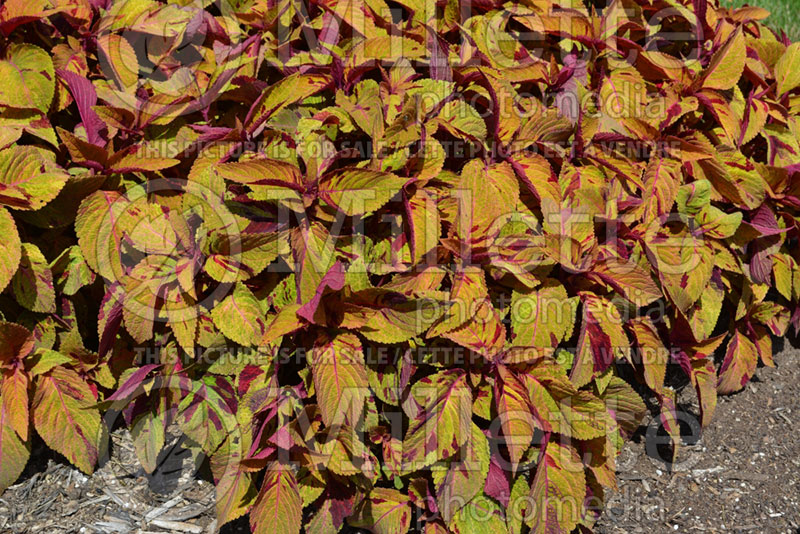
(541,317)
(462,120)
(289,90)
(516,414)
(484,333)
(654,355)
(28,78)
(65,416)
(28,181)
(632,280)
(276,173)
(717,223)
(240,317)
(278,508)
(12,253)
(359,191)
(460,480)
(739,365)
(487,193)
(727,63)
(383,511)
(787,69)
(340,378)
(623,94)
(468,291)
(148,435)
(118,61)
(661,181)
(481,515)
(33,282)
(683,262)
(557,491)
(100,233)
(442,422)
(13,450)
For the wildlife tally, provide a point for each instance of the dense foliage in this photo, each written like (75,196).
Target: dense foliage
(392,264)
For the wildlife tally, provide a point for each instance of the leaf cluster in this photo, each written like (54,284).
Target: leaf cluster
(392,264)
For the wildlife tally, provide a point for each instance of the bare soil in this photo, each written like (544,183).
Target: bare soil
(742,475)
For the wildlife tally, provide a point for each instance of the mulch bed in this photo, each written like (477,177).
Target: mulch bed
(53,497)
(742,475)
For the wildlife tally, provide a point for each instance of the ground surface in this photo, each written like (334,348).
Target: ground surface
(55,498)
(741,475)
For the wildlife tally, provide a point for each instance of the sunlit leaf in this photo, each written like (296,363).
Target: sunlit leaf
(65,416)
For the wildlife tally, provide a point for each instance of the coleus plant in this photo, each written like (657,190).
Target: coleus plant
(395,265)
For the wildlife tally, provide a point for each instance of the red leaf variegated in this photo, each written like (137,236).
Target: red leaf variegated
(661,180)
(727,63)
(741,359)
(440,418)
(389,270)
(357,191)
(278,507)
(64,415)
(14,450)
(340,378)
(28,180)
(383,511)
(557,487)
(516,414)
(9,261)
(602,338)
